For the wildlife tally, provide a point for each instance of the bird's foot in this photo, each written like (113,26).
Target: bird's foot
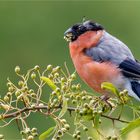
(104,97)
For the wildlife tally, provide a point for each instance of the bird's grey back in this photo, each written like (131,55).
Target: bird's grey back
(111,49)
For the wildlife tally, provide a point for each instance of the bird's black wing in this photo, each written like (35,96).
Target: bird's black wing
(130,68)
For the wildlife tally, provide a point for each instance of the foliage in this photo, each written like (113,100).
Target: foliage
(66,97)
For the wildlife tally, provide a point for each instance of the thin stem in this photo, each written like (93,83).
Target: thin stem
(120,112)
(65,64)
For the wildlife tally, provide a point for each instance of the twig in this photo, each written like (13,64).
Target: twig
(115,119)
(14,114)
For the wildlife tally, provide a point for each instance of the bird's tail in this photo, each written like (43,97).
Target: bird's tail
(136,87)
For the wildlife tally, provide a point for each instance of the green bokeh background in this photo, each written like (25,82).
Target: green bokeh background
(31,33)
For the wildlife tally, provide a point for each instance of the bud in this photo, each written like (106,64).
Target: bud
(58,68)
(73,76)
(33,95)
(109,138)
(67,126)
(64,88)
(58,138)
(56,75)
(33,75)
(83,98)
(78,97)
(64,130)
(50,76)
(86,105)
(60,133)
(85,129)
(114,138)
(36,67)
(24,88)
(9,94)
(74,136)
(78,137)
(31,91)
(35,134)
(63,79)
(55,101)
(17,93)
(34,130)
(121,93)
(6,107)
(60,97)
(57,90)
(54,93)
(90,138)
(49,67)
(1,117)
(125,91)
(63,121)
(74,101)
(20,83)
(90,97)
(41,104)
(22,132)
(1,136)
(6,98)
(78,86)
(27,130)
(78,132)
(100,112)
(9,84)
(17,69)
(30,137)
(11,89)
(33,105)
(81,112)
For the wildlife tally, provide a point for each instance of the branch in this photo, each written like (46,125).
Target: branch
(115,119)
(14,114)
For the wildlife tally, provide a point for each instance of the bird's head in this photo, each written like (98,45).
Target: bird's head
(80,28)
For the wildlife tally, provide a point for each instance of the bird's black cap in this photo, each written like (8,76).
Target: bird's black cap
(76,30)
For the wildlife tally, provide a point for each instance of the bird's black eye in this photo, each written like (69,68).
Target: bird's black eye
(76,27)
(81,29)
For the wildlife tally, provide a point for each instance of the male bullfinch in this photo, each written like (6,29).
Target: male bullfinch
(100,57)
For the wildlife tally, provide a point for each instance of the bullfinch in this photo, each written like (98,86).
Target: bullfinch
(100,57)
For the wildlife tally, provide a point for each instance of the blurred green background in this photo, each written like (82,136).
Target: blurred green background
(31,33)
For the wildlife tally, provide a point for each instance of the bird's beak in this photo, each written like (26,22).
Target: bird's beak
(69,35)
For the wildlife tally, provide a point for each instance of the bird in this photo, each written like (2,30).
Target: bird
(100,57)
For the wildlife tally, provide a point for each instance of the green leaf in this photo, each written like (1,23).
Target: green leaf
(49,82)
(110,87)
(96,120)
(132,125)
(64,108)
(47,133)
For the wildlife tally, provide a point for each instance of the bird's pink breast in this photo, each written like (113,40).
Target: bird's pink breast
(94,73)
